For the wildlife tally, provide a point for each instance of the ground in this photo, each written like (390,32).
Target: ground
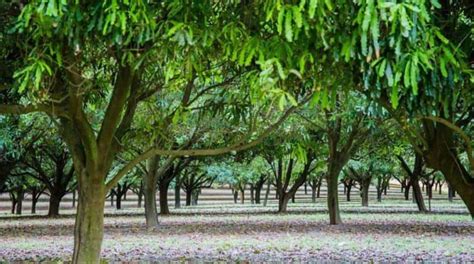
(390,231)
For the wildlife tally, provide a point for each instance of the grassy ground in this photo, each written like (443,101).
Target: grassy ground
(251,233)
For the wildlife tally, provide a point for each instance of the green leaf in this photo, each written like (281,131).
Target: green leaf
(297,16)
(312,8)
(406,75)
(414,78)
(281,15)
(394,96)
(435,3)
(442,66)
(288,27)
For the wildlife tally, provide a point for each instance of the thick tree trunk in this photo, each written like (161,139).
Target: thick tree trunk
(442,156)
(313,193)
(333,202)
(164,208)
(89,227)
(54,203)
(151,213)
(283,200)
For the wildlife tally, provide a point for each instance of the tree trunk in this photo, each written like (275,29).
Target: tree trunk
(54,203)
(236,195)
(333,202)
(19,203)
(14,202)
(118,201)
(89,227)
(305,188)
(177,192)
(267,192)
(283,200)
(33,204)
(418,194)
(258,191)
(348,192)
(140,195)
(195,197)
(151,213)
(407,192)
(252,194)
(164,208)
(188,197)
(365,194)
(318,193)
(242,196)
(313,192)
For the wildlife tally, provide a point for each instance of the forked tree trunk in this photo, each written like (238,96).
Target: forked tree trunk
(89,227)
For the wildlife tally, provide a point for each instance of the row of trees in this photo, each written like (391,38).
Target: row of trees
(127,82)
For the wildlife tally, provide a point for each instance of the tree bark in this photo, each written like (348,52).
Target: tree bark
(365,193)
(118,201)
(189,194)
(177,192)
(149,183)
(267,192)
(19,203)
(89,227)
(332,199)
(164,208)
(348,192)
(252,194)
(54,204)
